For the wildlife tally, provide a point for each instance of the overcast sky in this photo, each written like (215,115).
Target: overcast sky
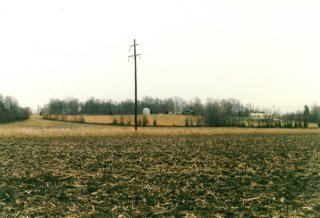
(262,52)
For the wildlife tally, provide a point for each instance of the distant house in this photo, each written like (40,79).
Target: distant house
(188,112)
(257,115)
(313,125)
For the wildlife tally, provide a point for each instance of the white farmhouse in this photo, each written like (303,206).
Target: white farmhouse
(257,115)
(313,125)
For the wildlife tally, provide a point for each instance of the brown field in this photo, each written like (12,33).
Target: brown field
(62,169)
(161,119)
(36,126)
(157,176)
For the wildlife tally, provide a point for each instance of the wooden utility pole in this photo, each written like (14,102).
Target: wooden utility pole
(135,84)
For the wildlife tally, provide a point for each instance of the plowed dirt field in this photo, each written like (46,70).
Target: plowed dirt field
(160,176)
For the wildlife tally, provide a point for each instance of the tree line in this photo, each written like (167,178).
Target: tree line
(215,113)
(92,106)
(10,110)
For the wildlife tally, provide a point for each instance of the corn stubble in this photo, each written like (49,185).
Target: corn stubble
(172,176)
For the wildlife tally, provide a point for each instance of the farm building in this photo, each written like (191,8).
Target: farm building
(313,125)
(188,112)
(146,111)
(257,115)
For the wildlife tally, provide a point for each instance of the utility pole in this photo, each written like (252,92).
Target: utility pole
(135,83)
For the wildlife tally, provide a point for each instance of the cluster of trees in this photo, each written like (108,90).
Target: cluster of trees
(72,106)
(226,112)
(216,113)
(11,111)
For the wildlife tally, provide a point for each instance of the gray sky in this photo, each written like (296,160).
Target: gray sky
(261,52)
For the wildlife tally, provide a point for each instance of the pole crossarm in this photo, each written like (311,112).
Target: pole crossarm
(132,56)
(132,46)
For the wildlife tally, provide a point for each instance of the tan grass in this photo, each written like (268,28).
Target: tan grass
(161,119)
(44,128)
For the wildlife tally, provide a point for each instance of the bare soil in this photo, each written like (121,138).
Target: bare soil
(161,176)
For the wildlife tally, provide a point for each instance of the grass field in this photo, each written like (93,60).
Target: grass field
(161,119)
(36,126)
(57,169)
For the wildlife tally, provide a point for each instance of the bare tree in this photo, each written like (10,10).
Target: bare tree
(179,104)
(197,106)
